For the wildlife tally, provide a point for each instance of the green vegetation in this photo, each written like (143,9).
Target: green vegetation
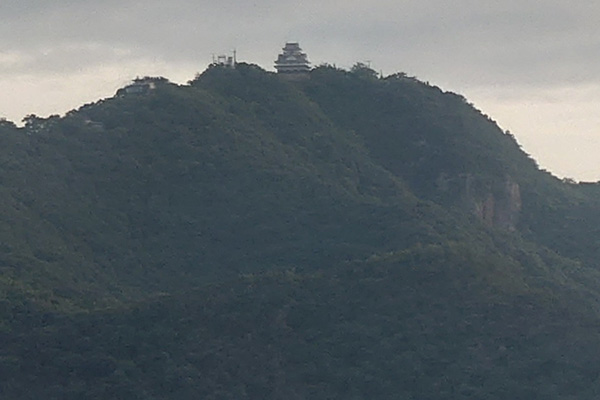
(245,237)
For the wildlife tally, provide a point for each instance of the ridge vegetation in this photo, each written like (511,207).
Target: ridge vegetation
(248,237)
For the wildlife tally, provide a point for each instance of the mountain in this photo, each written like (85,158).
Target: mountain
(247,236)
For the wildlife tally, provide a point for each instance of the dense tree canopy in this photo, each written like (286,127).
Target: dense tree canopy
(247,237)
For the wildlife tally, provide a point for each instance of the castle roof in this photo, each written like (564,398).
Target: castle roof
(292,59)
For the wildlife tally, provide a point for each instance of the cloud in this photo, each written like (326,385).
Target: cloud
(526,41)
(499,53)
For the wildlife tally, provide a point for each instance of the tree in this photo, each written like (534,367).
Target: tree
(35,124)
(362,70)
(4,123)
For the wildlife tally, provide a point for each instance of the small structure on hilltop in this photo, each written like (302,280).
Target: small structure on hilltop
(292,62)
(141,86)
(225,61)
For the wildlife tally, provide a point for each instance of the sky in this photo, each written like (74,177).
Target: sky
(531,65)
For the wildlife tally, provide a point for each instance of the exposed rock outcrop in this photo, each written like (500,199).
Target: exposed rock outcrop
(501,207)
(495,203)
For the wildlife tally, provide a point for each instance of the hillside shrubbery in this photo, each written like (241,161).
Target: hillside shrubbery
(245,236)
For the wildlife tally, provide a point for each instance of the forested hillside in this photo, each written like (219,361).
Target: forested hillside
(249,237)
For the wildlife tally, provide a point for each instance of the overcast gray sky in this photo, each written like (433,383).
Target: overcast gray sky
(532,65)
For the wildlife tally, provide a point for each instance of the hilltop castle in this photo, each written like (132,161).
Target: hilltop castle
(292,61)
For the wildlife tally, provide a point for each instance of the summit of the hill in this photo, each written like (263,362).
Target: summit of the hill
(246,217)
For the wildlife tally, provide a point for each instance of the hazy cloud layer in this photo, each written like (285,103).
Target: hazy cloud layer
(510,41)
(502,52)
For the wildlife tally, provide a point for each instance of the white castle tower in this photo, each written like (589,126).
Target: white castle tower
(292,61)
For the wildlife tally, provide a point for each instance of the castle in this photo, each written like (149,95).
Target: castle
(292,62)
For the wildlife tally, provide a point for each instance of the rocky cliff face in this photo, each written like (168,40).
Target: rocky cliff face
(495,203)
(499,206)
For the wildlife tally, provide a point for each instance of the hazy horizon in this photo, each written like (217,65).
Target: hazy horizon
(529,65)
